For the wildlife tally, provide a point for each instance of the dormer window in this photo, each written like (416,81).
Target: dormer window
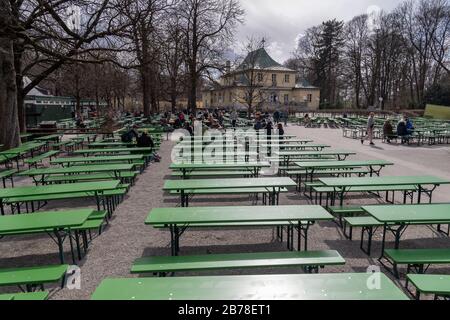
(260,77)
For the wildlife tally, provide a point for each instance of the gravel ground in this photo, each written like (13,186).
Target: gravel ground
(127,238)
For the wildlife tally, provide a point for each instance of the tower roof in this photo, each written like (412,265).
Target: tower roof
(260,59)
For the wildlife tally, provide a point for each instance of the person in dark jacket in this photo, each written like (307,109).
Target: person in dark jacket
(388,130)
(269,128)
(145,141)
(280,130)
(401,130)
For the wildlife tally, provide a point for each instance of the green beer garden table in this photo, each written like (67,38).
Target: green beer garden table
(178,219)
(287,155)
(215,155)
(55,221)
(436,284)
(45,172)
(294,147)
(113,151)
(16,153)
(53,137)
(99,159)
(311,167)
(186,187)
(332,286)
(253,167)
(342,185)
(116,144)
(396,218)
(96,187)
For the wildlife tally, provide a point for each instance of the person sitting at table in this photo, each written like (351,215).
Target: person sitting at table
(401,130)
(188,127)
(388,130)
(145,141)
(215,124)
(409,126)
(306,120)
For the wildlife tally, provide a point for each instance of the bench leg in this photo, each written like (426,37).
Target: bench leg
(369,231)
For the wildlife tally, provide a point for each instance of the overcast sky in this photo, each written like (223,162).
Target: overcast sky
(282,21)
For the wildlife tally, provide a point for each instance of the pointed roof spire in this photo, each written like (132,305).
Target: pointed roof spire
(263,43)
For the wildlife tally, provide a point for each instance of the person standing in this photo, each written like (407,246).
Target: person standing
(370,127)
(276,116)
(234,117)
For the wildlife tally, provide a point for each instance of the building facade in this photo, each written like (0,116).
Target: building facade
(262,84)
(41,105)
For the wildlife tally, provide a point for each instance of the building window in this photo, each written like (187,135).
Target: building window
(260,77)
(286,99)
(286,78)
(274,78)
(309,97)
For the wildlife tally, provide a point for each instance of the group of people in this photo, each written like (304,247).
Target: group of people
(405,127)
(143,140)
(264,122)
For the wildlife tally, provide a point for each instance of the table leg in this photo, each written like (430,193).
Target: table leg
(60,242)
(419,194)
(341,201)
(182,198)
(97,199)
(383,241)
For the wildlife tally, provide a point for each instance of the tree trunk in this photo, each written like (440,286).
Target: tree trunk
(18,53)
(145,93)
(9,120)
(173,94)
(192,97)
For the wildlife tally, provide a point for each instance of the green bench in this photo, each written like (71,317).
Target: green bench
(368,224)
(7,174)
(406,189)
(34,161)
(417,260)
(280,225)
(347,172)
(60,145)
(436,284)
(29,296)
(311,260)
(346,211)
(218,173)
(32,277)
(126,177)
(232,191)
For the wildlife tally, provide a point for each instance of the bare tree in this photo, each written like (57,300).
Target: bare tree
(252,78)
(144,33)
(173,58)
(357,37)
(9,121)
(208,27)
